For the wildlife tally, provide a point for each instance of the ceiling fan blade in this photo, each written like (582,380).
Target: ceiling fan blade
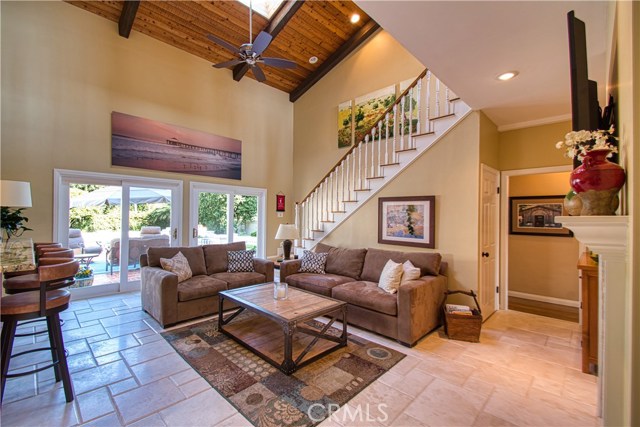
(257,72)
(222,43)
(279,62)
(228,63)
(261,42)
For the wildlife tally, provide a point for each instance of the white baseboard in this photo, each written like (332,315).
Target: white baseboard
(542,298)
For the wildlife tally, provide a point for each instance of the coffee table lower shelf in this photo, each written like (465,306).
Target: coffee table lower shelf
(287,345)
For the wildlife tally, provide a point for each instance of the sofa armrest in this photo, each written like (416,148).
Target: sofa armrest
(288,267)
(419,305)
(144,260)
(159,294)
(264,266)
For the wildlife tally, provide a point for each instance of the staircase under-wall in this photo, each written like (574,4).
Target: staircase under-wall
(418,119)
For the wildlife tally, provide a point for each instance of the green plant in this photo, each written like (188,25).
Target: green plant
(12,221)
(84,272)
(160,217)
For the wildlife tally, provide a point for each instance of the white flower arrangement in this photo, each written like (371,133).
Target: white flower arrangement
(578,143)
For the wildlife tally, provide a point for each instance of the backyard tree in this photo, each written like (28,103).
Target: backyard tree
(245,211)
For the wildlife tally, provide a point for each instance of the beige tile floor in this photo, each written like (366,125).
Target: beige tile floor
(525,371)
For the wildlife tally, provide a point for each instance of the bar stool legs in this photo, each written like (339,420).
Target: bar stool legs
(62,367)
(8,334)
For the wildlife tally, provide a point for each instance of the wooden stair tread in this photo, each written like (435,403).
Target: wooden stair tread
(318,231)
(349,201)
(441,117)
(362,189)
(329,221)
(338,211)
(375,177)
(423,134)
(406,149)
(391,164)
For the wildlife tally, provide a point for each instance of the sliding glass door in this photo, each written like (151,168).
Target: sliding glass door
(222,214)
(110,220)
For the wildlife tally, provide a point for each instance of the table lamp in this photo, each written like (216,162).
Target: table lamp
(287,232)
(14,195)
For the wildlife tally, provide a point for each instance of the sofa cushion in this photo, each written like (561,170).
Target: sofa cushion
(240,261)
(178,265)
(375,260)
(199,287)
(238,280)
(410,272)
(194,255)
(390,277)
(367,295)
(317,283)
(342,261)
(216,255)
(313,262)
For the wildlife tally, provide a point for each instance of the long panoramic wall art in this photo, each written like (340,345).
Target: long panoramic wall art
(147,144)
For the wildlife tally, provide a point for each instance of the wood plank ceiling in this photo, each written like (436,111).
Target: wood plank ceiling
(301,29)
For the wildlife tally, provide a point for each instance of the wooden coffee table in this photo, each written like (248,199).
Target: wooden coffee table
(276,331)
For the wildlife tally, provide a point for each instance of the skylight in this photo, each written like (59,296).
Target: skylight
(265,8)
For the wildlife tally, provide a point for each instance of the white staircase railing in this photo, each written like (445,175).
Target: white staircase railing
(405,130)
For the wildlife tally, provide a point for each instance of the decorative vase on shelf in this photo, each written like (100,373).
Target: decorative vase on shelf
(598,181)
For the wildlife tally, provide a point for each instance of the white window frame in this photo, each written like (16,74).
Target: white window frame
(232,190)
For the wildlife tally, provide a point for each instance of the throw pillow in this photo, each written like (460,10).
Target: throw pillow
(390,277)
(313,262)
(240,261)
(410,272)
(179,265)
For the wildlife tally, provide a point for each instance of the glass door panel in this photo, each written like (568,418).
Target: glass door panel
(95,218)
(213,215)
(245,220)
(149,226)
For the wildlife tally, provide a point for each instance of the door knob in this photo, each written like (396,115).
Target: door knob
(485,254)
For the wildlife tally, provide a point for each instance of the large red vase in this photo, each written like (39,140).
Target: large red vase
(598,181)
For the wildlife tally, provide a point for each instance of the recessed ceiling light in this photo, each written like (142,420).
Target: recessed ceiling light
(507,76)
(355,18)
(313,60)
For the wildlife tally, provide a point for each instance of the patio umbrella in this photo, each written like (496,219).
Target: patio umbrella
(113,196)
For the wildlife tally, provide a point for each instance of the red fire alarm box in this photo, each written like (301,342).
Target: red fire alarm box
(279,202)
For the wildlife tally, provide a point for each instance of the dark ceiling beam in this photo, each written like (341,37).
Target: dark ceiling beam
(277,23)
(343,51)
(128,15)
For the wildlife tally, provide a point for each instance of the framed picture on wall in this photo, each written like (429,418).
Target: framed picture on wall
(407,221)
(535,215)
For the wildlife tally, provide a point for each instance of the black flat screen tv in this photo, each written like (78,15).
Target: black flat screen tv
(585,111)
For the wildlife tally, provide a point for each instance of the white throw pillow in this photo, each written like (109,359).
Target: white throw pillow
(390,277)
(178,265)
(410,272)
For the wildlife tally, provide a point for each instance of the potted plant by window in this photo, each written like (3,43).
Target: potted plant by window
(596,181)
(84,278)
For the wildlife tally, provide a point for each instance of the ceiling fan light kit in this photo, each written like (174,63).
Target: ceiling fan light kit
(251,53)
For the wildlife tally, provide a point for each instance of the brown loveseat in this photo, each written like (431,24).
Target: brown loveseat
(352,276)
(170,302)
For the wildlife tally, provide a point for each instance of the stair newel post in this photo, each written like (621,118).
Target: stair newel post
(395,132)
(360,166)
(347,161)
(336,195)
(378,169)
(411,117)
(386,139)
(402,122)
(419,101)
(314,211)
(446,100)
(296,221)
(354,168)
(373,151)
(321,205)
(437,97)
(342,185)
(428,103)
(329,195)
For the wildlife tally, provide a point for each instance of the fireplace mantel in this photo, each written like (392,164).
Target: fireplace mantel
(607,237)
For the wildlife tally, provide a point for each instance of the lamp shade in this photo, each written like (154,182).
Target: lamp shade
(287,232)
(15,194)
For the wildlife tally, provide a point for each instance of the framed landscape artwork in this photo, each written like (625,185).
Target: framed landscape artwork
(407,221)
(345,134)
(148,144)
(369,108)
(535,215)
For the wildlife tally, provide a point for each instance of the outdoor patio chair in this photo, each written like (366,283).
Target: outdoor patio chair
(137,247)
(76,241)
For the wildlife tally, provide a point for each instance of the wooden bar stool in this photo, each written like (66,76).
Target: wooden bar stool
(29,282)
(57,253)
(47,302)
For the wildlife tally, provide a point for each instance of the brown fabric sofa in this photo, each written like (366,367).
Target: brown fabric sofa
(170,302)
(352,276)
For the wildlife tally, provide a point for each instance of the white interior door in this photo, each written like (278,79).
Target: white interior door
(489,226)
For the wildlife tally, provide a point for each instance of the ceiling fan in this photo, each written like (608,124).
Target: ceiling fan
(251,53)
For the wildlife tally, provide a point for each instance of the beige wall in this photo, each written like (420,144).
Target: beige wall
(543,265)
(453,179)
(489,143)
(379,63)
(65,70)
(533,147)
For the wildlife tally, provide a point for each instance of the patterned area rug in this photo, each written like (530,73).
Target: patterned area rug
(266,396)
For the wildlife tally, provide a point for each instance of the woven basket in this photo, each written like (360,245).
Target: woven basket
(459,326)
